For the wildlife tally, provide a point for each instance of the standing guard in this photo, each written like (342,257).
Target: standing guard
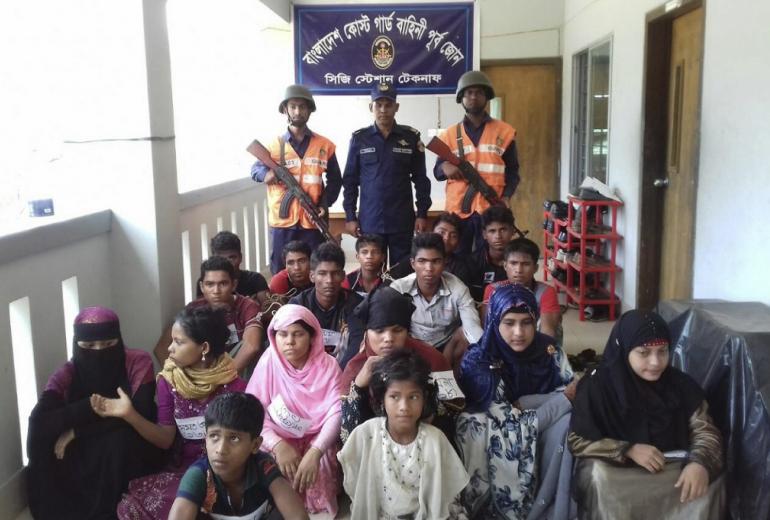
(306,156)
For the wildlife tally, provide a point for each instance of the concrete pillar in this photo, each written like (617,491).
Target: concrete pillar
(145,243)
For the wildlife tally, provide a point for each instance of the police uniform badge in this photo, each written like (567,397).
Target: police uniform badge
(322,153)
(403,142)
(551,350)
(500,141)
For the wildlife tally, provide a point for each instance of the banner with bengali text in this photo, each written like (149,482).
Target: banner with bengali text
(347,49)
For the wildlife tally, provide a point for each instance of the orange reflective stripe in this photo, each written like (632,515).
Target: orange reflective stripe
(308,171)
(487,158)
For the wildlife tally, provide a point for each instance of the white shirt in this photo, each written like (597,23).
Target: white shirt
(436,320)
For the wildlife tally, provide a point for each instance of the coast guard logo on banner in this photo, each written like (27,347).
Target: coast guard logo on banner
(383,52)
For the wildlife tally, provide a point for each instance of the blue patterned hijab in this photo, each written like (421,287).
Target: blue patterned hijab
(533,371)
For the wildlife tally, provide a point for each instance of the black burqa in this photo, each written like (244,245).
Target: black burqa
(106,453)
(613,402)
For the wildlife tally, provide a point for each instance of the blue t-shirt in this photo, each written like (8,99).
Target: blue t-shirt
(199,482)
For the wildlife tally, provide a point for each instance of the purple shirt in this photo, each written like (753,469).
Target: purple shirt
(172,406)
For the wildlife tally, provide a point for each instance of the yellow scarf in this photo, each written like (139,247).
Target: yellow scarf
(198,383)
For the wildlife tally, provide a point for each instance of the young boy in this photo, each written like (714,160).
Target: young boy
(296,274)
(497,231)
(521,257)
(445,315)
(250,284)
(235,479)
(218,284)
(370,254)
(332,304)
(447,225)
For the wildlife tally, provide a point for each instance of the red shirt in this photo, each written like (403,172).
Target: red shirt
(549,301)
(241,315)
(281,284)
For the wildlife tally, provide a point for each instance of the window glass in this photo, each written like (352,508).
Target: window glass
(591,109)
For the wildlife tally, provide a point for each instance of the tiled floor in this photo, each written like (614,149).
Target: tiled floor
(579,335)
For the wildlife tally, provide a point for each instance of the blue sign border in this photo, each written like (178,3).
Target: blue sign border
(467,8)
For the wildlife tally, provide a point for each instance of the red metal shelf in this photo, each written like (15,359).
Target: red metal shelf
(578,284)
(603,268)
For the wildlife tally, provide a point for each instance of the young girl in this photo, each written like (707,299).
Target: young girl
(636,411)
(386,315)
(197,370)
(512,440)
(397,466)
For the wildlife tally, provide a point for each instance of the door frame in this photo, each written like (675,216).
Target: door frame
(556,62)
(655,103)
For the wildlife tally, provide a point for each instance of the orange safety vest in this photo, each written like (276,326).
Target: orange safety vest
(487,158)
(308,171)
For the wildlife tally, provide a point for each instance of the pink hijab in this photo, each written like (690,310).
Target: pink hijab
(312,392)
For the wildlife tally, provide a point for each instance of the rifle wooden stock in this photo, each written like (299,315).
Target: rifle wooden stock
(476,183)
(479,185)
(259,151)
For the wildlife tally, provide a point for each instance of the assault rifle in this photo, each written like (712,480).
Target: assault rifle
(294,191)
(476,184)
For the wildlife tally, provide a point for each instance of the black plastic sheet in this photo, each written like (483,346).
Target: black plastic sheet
(725,346)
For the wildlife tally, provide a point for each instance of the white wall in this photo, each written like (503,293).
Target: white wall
(514,29)
(734,176)
(732,251)
(587,23)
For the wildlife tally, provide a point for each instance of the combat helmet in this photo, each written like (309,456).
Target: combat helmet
(296,91)
(474,78)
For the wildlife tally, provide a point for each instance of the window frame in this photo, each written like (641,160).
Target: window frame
(582,126)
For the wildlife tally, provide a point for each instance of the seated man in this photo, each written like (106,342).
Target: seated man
(370,254)
(296,274)
(448,226)
(521,257)
(497,230)
(331,304)
(218,284)
(445,314)
(250,283)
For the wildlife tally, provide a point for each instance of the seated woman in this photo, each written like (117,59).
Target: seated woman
(635,412)
(196,371)
(299,385)
(71,448)
(512,440)
(396,465)
(386,314)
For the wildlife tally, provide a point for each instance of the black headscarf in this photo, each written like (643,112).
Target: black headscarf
(613,402)
(385,307)
(98,371)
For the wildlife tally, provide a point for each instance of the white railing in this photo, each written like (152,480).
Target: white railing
(48,273)
(238,206)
